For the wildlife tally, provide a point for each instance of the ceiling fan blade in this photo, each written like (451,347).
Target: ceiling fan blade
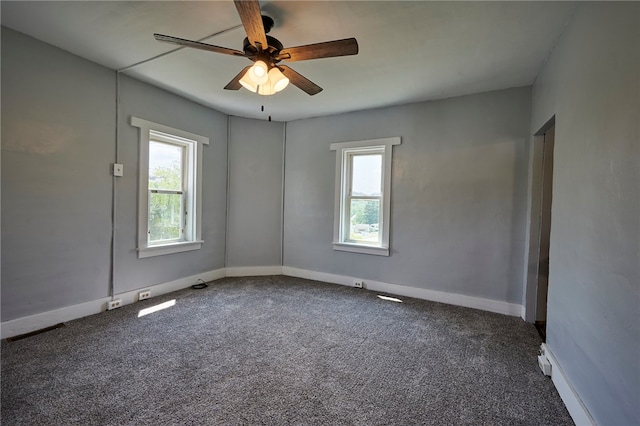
(235,83)
(251,17)
(328,49)
(197,45)
(300,81)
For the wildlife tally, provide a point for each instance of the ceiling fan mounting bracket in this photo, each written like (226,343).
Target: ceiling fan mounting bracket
(268,23)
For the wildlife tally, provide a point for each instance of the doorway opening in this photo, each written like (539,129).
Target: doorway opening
(545,232)
(541,192)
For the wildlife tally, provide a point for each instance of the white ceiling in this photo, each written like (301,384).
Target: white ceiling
(409,51)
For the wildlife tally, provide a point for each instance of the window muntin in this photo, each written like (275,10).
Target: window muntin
(362,195)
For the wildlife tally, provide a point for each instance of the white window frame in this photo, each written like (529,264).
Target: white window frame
(186,199)
(191,238)
(344,152)
(348,196)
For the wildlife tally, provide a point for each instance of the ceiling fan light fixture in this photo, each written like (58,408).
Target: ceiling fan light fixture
(258,72)
(277,79)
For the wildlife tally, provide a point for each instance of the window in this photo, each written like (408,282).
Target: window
(167,215)
(169,202)
(362,197)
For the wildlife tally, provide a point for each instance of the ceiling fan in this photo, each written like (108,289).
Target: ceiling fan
(266,76)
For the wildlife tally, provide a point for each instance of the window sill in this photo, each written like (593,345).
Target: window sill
(160,250)
(361,248)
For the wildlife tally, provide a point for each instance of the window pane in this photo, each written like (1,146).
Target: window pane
(365,220)
(165,166)
(366,174)
(164,217)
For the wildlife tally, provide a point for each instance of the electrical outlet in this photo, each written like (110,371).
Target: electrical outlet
(544,365)
(115,303)
(358,284)
(144,295)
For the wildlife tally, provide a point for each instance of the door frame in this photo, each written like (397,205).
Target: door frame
(534,211)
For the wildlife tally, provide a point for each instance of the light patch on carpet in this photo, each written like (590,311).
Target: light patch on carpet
(156,308)
(390,299)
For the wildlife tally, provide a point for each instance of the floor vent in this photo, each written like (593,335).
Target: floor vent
(33,333)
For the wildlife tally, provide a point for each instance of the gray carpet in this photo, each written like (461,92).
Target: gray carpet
(281,350)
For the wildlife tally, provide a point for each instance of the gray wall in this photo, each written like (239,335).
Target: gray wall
(459,194)
(254,221)
(58,144)
(591,84)
(58,120)
(153,104)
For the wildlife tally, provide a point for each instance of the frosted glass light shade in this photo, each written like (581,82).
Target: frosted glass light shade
(248,83)
(264,84)
(277,79)
(266,88)
(258,72)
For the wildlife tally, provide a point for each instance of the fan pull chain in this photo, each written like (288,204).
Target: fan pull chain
(262,110)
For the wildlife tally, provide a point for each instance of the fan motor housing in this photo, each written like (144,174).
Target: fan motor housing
(274,46)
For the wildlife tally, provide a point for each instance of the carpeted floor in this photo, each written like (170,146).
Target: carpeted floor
(281,350)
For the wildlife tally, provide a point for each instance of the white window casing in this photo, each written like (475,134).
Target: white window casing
(191,193)
(345,152)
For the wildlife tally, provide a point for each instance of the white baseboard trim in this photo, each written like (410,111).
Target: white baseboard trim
(253,271)
(512,309)
(570,397)
(35,322)
(46,319)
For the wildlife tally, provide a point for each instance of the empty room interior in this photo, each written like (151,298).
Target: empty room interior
(349,212)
